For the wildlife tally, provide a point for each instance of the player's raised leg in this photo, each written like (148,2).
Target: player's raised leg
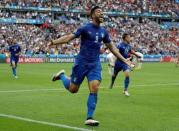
(73,83)
(70,86)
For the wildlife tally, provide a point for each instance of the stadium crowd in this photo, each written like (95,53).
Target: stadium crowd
(33,39)
(136,6)
(148,37)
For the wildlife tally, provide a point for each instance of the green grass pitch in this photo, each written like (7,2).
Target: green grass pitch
(152,106)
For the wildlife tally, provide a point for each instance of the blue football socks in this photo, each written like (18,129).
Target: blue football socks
(126,83)
(92,100)
(14,71)
(65,80)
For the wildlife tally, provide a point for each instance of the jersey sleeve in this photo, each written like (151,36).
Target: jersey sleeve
(106,38)
(78,32)
(119,46)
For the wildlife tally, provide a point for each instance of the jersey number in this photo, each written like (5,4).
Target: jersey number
(97,38)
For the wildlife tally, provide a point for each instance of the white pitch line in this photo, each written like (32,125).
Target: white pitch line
(61,89)
(11,91)
(43,122)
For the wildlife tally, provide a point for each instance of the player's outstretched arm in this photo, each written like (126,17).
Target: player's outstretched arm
(62,40)
(115,51)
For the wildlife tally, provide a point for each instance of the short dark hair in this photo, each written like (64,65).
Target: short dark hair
(124,36)
(93,10)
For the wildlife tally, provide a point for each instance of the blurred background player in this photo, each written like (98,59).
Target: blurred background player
(138,61)
(87,63)
(124,48)
(15,51)
(111,62)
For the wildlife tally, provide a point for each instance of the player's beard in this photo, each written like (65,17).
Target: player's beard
(99,19)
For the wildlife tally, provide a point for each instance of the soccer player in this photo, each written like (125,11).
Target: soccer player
(87,63)
(15,51)
(111,62)
(124,48)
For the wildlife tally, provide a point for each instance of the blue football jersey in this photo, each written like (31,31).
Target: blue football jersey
(92,37)
(14,49)
(124,49)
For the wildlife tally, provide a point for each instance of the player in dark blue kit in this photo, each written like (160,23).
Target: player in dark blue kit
(14,50)
(124,48)
(87,63)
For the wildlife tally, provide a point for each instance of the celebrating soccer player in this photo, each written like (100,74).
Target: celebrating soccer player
(87,63)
